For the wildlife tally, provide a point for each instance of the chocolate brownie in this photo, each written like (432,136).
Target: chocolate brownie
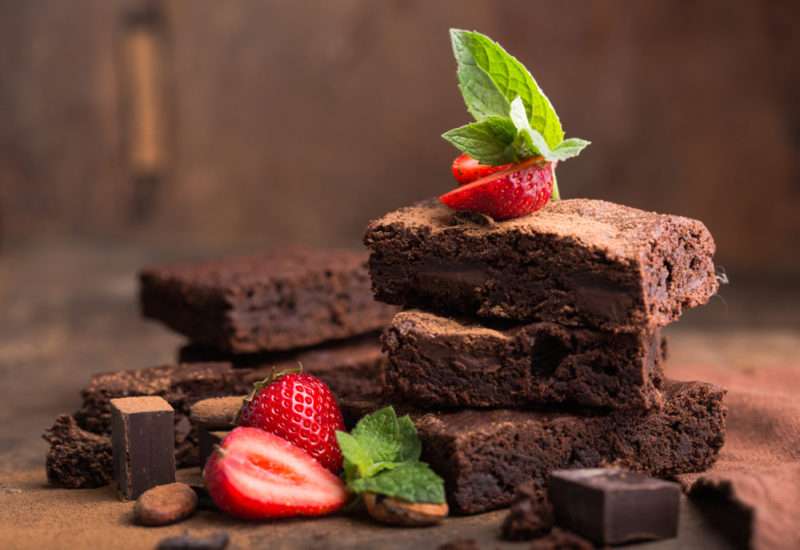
(484,454)
(436,361)
(575,262)
(284,298)
(77,459)
(349,367)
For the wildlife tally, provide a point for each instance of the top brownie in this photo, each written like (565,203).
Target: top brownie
(281,299)
(576,262)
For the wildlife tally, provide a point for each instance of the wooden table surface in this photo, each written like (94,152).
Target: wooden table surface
(67,311)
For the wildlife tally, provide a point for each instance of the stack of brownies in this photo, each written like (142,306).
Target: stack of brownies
(532,344)
(243,316)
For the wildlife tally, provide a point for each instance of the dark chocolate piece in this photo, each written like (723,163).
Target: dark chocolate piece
(575,262)
(143,444)
(281,299)
(436,361)
(208,440)
(77,459)
(615,506)
(484,454)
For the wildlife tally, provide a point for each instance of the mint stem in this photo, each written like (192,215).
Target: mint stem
(555,196)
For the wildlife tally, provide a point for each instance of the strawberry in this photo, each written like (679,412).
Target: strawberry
(466,169)
(512,192)
(299,408)
(257,475)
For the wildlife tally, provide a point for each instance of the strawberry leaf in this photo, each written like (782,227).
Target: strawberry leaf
(490,79)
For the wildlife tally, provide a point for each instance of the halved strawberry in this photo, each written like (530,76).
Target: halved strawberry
(466,169)
(514,191)
(257,475)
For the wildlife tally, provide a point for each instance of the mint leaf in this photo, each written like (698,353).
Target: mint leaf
(489,141)
(490,79)
(568,148)
(378,434)
(410,445)
(528,142)
(382,453)
(412,481)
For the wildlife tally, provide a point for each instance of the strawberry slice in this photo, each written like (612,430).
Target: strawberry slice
(257,475)
(514,191)
(466,169)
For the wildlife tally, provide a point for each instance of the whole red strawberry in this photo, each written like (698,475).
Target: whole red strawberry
(301,409)
(466,169)
(514,191)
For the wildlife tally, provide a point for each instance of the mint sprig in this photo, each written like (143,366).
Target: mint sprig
(514,119)
(381,455)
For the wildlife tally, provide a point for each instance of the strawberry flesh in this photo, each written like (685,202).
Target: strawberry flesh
(514,191)
(466,169)
(258,475)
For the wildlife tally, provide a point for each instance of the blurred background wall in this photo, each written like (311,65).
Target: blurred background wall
(242,124)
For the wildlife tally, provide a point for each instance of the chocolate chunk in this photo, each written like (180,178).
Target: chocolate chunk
(441,361)
(216,413)
(559,539)
(77,459)
(216,540)
(280,299)
(575,262)
(143,444)
(615,506)
(208,439)
(165,504)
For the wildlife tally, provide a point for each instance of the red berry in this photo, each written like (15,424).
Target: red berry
(257,475)
(466,169)
(301,409)
(512,192)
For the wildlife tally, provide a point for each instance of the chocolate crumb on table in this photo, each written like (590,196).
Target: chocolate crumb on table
(77,459)
(143,444)
(439,361)
(284,298)
(576,262)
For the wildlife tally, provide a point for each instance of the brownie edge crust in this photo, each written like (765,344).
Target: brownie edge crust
(576,262)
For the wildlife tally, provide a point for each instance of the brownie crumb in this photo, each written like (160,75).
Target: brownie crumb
(530,516)
(460,544)
(77,459)
(560,539)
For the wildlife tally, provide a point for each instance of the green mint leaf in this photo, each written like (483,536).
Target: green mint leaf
(528,142)
(410,445)
(568,148)
(412,481)
(489,141)
(378,436)
(490,79)
(355,460)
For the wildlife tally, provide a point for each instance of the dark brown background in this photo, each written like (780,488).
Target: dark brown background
(286,120)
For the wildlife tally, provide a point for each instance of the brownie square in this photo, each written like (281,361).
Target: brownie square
(350,367)
(484,454)
(436,361)
(284,298)
(575,262)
